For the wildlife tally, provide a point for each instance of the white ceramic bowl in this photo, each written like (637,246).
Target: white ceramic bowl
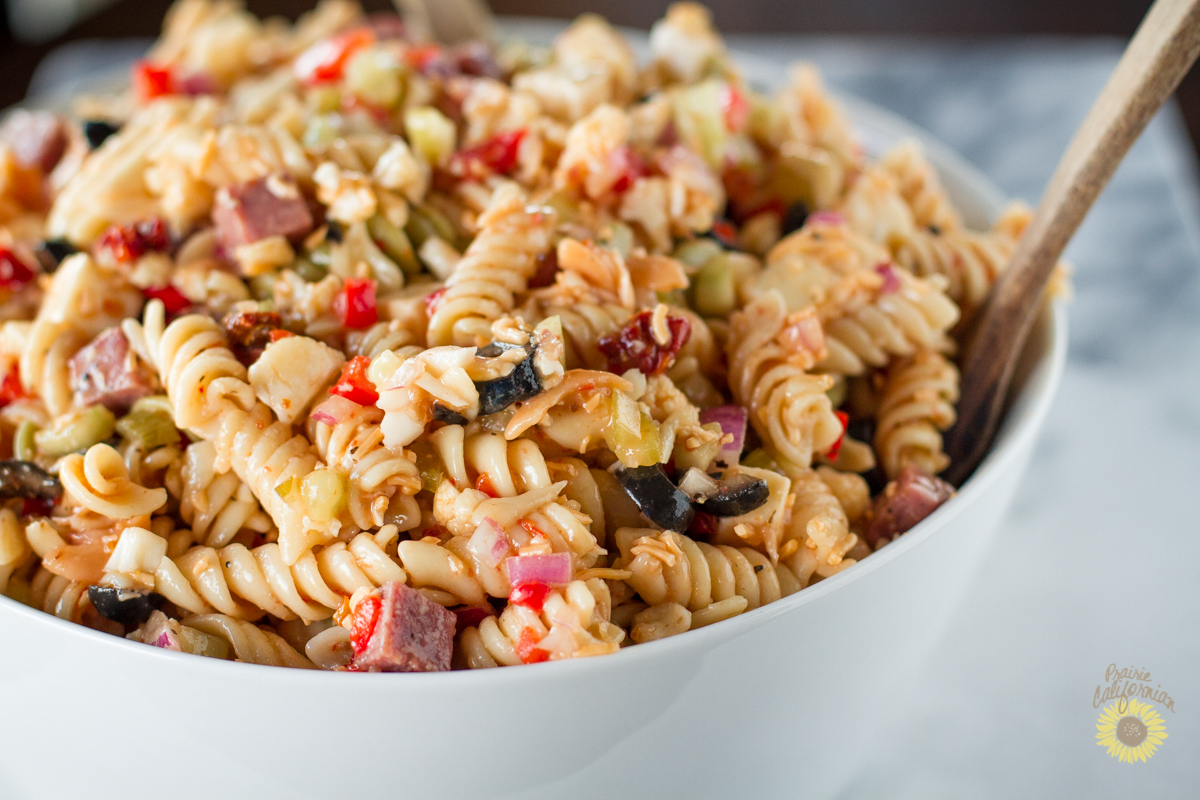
(772,703)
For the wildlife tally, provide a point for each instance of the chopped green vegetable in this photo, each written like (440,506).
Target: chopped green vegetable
(262,287)
(321,130)
(700,121)
(324,494)
(394,243)
(148,428)
(374,75)
(76,431)
(285,488)
(24,448)
(620,238)
(431,133)
(759,459)
(713,290)
(199,643)
(640,448)
(324,99)
(697,252)
(426,222)
(837,392)
(309,270)
(429,466)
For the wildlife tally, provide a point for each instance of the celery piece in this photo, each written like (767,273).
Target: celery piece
(713,291)
(322,254)
(394,243)
(324,494)
(758,459)
(321,130)
(425,222)
(429,466)
(309,270)
(620,238)
(837,392)
(700,121)
(697,252)
(285,488)
(24,448)
(199,643)
(262,286)
(148,429)
(76,431)
(324,99)
(431,133)
(374,75)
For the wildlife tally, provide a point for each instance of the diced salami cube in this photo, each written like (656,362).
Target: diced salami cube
(904,502)
(37,138)
(414,634)
(271,206)
(109,373)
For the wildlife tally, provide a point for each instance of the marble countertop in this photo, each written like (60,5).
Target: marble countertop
(1096,563)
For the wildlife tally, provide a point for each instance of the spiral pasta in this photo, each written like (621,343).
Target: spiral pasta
(494,268)
(250,643)
(920,187)
(209,393)
(99,481)
(712,582)
(244,584)
(767,373)
(915,406)
(819,525)
(216,505)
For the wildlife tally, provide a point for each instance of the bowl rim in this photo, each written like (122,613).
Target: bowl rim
(1031,406)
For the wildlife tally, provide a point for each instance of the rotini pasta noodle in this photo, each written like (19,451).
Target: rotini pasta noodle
(423,358)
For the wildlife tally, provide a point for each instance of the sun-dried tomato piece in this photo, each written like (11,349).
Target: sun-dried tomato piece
(250,333)
(125,243)
(634,346)
(14,273)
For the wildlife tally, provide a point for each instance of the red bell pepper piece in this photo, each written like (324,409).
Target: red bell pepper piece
(325,61)
(354,384)
(150,81)
(14,273)
(356,304)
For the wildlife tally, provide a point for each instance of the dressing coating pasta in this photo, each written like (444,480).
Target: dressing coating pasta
(347,351)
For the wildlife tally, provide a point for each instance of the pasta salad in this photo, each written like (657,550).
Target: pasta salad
(327,347)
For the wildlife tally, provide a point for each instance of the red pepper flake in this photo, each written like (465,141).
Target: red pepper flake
(325,61)
(355,304)
(36,507)
(150,81)
(724,232)
(704,525)
(531,528)
(833,451)
(527,648)
(366,617)
(354,384)
(279,333)
(495,155)
(628,166)
(433,300)
(14,273)
(547,269)
(470,617)
(734,108)
(171,298)
(10,388)
(484,484)
(419,57)
(125,243)
(530,595)
(634,345)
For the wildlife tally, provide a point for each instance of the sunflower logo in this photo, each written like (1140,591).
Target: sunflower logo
(1131,734)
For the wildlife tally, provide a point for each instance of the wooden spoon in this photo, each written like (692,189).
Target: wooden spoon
(1162,50)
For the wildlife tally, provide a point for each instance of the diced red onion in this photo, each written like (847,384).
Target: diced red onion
(488,543)
(553,569)
(334,410)
(732,420)
(891,281)
(198,83)
(826,218)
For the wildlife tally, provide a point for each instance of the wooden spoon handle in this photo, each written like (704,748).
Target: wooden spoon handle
(1158,56)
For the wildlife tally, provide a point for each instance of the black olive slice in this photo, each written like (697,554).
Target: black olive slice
(500,393)
(97,131)
(26,479)
(738,494)
(334,232)
(448,415)
(51,253)
(794,219)
(125,606)
(655,496)
(496,349)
